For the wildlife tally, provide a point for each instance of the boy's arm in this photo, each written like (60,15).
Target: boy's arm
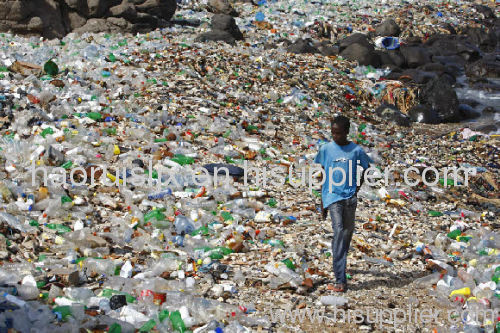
(361,181)
(324,211)
(366,160)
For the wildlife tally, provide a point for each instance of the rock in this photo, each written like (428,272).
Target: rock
(74,278)
(224,29)
(161,9)
(446,45)
(35,24)
(388,28)
(485,10)
(422,113)
(302,46)
(75,20)
(483,68)
(468,112)
(112,24)
(487,128)
(490,110)
(356,38)
(329,50)
(391,113)
(216,35)
(25,68)
(418,76)
(440,95)
(391,57)
(364,55)
(56,18)
(415,56)
(471,102)
(96,8)
(78,5)
(221,7)
(452,60)
(433,67)
(486,41)
(226,23)
(125,10)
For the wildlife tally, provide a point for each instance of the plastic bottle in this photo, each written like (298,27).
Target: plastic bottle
(183,225)
(333,300)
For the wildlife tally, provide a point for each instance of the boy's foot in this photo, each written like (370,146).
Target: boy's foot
(337,287)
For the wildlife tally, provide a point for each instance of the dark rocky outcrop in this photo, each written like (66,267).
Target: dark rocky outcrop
(302,46)
(221,7)
(56,18)
(482,69)
(224,29)
(391,113)
(442,98)
(363,54)
(423,113)
(388,28)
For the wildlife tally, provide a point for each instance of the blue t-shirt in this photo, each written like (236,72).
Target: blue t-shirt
(335,158)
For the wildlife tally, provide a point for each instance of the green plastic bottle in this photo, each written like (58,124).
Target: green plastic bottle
(182,160)
(60,228)
(177,322)
(496,277)
(94,116)
(272,202)
(435,213)
(110,292)
(62,312)
(115,328)
(148,326)
(47,131)
(454,234)
(67,165)
(289,263)
(226,216)
(164,314)
(155,213)
(204,231)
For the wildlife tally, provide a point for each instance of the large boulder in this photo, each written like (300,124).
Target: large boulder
(442,98)
(446,45)
(391,113)
(484,68)
(391,57)
(302,46)
(486,11)
(415,56)
(388,28)
(224,29)
(423,113)
(221,7)
(364,55)
(485,40)
(56,18)
(356,38)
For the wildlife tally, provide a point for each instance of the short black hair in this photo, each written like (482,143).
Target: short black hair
(342,121)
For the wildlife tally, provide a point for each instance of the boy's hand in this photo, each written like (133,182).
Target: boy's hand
(324,211)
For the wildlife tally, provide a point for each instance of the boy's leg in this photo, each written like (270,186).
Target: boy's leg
(348,215)
(339,239)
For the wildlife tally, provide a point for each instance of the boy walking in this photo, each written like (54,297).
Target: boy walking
(340,159)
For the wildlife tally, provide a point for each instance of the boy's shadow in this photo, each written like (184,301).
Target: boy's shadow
(387,279)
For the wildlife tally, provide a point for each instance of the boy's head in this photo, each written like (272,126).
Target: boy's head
(340,129)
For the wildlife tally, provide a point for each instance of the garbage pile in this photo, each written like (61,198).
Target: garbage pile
(106,223)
